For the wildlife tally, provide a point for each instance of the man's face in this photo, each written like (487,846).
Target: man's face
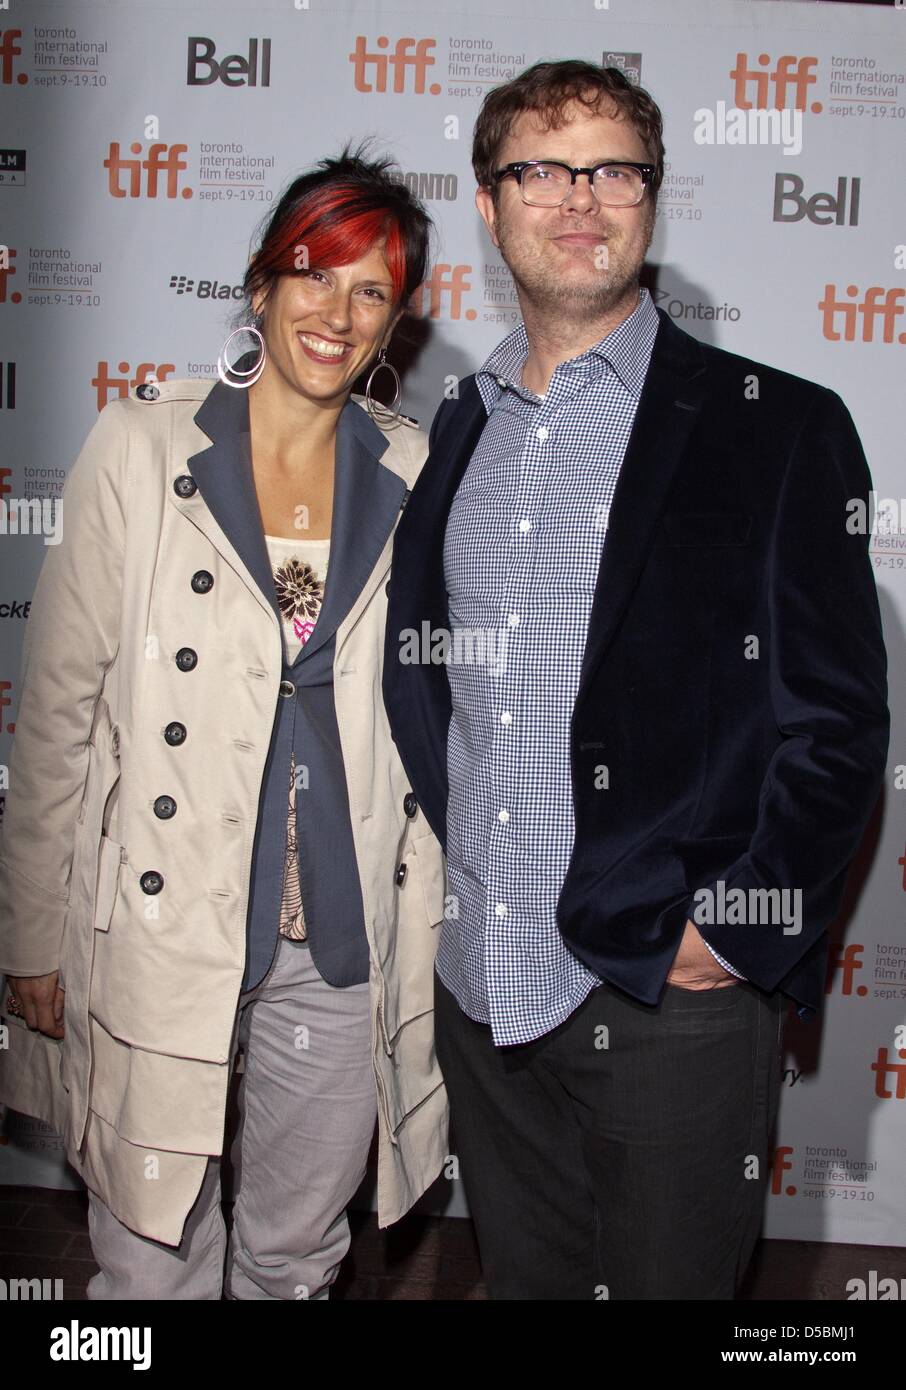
(555,254)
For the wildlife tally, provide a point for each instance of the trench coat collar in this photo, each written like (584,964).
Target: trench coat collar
(367,499)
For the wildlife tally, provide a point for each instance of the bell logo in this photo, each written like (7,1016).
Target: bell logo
(160,158)
(105,383)
(871,307)
(797,73)
(400,59)
(822,208)
(9,49)
(845,960)
(232,71)
(885,1071)
(780,1164)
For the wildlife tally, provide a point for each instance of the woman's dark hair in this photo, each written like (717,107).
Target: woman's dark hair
(547,89)
(333,214)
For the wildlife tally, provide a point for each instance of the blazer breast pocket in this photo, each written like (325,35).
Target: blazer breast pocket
(696,529)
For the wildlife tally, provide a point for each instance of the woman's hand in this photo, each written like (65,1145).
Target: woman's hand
(40,998)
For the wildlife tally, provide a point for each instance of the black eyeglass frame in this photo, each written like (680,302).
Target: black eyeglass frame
(518,168)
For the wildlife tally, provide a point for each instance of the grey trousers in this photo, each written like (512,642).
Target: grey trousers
(307,1106)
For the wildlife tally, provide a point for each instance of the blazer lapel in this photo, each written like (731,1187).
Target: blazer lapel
(224,476)
(668,409)
(367,498)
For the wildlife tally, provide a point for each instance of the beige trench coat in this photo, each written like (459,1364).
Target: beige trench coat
(138,1085)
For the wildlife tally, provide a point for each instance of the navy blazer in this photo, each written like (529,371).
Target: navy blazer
(754,764)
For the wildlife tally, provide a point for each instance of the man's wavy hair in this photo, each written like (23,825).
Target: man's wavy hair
(547,89)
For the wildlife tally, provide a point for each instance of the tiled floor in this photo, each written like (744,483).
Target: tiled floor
(43,1234)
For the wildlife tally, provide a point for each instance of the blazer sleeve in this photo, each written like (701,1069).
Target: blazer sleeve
(828,690)
(71,639)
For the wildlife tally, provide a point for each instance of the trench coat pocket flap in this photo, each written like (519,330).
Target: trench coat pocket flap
(703,529)
(109,860)
(429,857)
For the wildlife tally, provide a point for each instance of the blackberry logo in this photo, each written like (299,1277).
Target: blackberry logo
(204,289)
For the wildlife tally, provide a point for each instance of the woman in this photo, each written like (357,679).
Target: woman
(210,839)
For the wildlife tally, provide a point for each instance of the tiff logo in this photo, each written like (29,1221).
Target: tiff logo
(869,307)
(399,60)
(9,49)
(104,382)
(446,282)
(844,961)
(790,72)
(160,159)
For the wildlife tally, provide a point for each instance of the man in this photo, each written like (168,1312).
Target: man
(651,785)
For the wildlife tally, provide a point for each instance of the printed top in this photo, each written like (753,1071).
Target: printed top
(300,571)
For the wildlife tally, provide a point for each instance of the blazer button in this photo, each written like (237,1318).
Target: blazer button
(186,659)
(387,587)
(175,734)
(185,485)
(165,807)
(400,876)
(202,582)
(287,689)
(410,805)
(151,881)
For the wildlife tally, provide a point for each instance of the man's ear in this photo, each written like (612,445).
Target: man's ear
(485,205)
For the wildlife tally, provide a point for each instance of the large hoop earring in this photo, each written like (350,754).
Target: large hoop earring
(251,375)
(383,414)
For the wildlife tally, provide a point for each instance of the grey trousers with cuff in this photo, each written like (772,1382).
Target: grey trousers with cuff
(307,1106)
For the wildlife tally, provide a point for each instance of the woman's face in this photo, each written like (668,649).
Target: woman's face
(321,327)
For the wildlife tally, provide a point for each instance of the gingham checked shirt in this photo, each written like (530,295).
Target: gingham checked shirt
(521,554)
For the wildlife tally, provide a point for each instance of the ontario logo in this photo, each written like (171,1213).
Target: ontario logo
(694,309)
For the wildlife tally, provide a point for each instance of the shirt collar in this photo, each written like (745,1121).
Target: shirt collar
(627,350)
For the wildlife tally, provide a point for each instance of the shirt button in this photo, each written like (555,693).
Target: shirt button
(513,620)
(500,909)
(506,717)
(501,381)
(503,817)
(542,433)
(525,525)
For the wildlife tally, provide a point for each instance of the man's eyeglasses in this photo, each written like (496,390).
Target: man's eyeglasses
(546,183)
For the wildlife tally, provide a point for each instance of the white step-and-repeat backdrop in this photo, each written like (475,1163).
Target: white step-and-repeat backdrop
(144,140)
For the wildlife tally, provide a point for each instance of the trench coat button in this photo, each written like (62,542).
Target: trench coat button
(185,485)
(287,689)
(410,804)
(147,392)
(202,582)
(175,734)
(186,659)
(165,808)
(151,881)
(400,876)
